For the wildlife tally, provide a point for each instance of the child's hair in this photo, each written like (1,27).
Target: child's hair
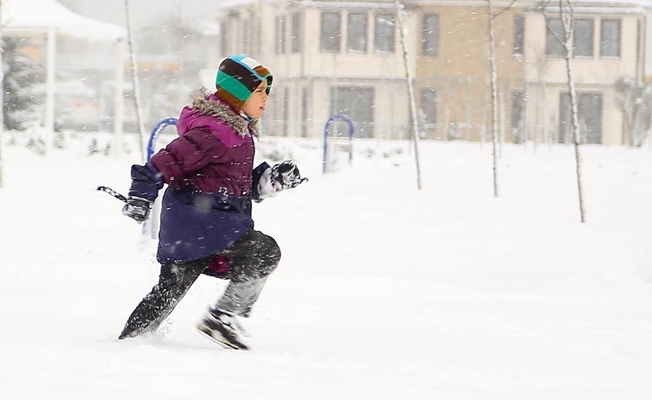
(238,77)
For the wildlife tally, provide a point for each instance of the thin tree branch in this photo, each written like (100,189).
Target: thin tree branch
(504,10)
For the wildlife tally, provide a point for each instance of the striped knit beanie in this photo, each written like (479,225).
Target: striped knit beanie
(238,77)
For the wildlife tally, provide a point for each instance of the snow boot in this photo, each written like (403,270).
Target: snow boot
(222,328)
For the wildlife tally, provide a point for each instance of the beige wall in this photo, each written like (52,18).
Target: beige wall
(316,72)
(389,111)
(589,70)
(459,73)
(546,76)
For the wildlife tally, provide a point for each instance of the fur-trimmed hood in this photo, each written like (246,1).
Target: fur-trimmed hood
(207,110)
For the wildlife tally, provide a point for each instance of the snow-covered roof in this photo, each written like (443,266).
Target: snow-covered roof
(616,3)
(42,15)
(381,4)
(235,3)
(601,3)
(614,7)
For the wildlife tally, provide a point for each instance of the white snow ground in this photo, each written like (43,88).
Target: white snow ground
(384,291)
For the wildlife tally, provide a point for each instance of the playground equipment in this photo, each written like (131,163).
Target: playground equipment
(150,227)
(332,144)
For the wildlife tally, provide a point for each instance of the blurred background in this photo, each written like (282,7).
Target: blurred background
(345,58)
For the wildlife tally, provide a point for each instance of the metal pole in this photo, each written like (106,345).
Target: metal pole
(134,78)
(49,89)
(151,226)
(118,113)
(324,167)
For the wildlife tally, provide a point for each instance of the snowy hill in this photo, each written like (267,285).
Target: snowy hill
(383,292)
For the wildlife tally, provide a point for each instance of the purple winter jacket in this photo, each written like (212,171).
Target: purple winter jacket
(210,175)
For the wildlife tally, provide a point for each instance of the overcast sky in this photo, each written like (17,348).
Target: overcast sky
(144,11)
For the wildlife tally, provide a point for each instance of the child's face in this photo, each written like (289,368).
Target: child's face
(255,105)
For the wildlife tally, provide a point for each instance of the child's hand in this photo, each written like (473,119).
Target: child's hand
(286,175)
(137,209)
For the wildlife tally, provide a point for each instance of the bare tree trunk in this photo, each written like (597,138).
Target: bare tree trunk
(494,85)
(494,94)
(410,87)
(568,24)
(134,78)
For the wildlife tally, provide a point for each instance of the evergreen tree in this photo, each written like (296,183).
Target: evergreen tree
(22,95)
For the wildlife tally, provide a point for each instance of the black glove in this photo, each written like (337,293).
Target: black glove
(137,209)
(286,175)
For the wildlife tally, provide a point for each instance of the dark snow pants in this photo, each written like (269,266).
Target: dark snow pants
(251,259)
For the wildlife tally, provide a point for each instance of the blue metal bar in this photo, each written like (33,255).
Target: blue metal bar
(150,227)
(156,132)
(351,132)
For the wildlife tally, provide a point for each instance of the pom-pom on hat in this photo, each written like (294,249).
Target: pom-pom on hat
(238,77)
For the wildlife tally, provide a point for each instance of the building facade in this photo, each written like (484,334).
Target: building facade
(332,57)
(609,44)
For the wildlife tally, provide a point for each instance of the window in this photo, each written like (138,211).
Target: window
(384,33)
(275,112)
(330,32)
(246,36)
(295,38)
(280,35)
(286,111)
(427,113)
(224,37)
(429,107)
(430,35)
(589,113)
(356,40)
(305,123)
(610,38)
(518,116)
(356,103)
(583,38)
(554,38)
(519,34)
(590,116)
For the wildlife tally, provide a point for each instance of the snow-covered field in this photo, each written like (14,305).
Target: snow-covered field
(384,291)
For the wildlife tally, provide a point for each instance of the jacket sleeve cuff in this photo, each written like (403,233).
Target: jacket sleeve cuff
(146,181)
(263,185)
